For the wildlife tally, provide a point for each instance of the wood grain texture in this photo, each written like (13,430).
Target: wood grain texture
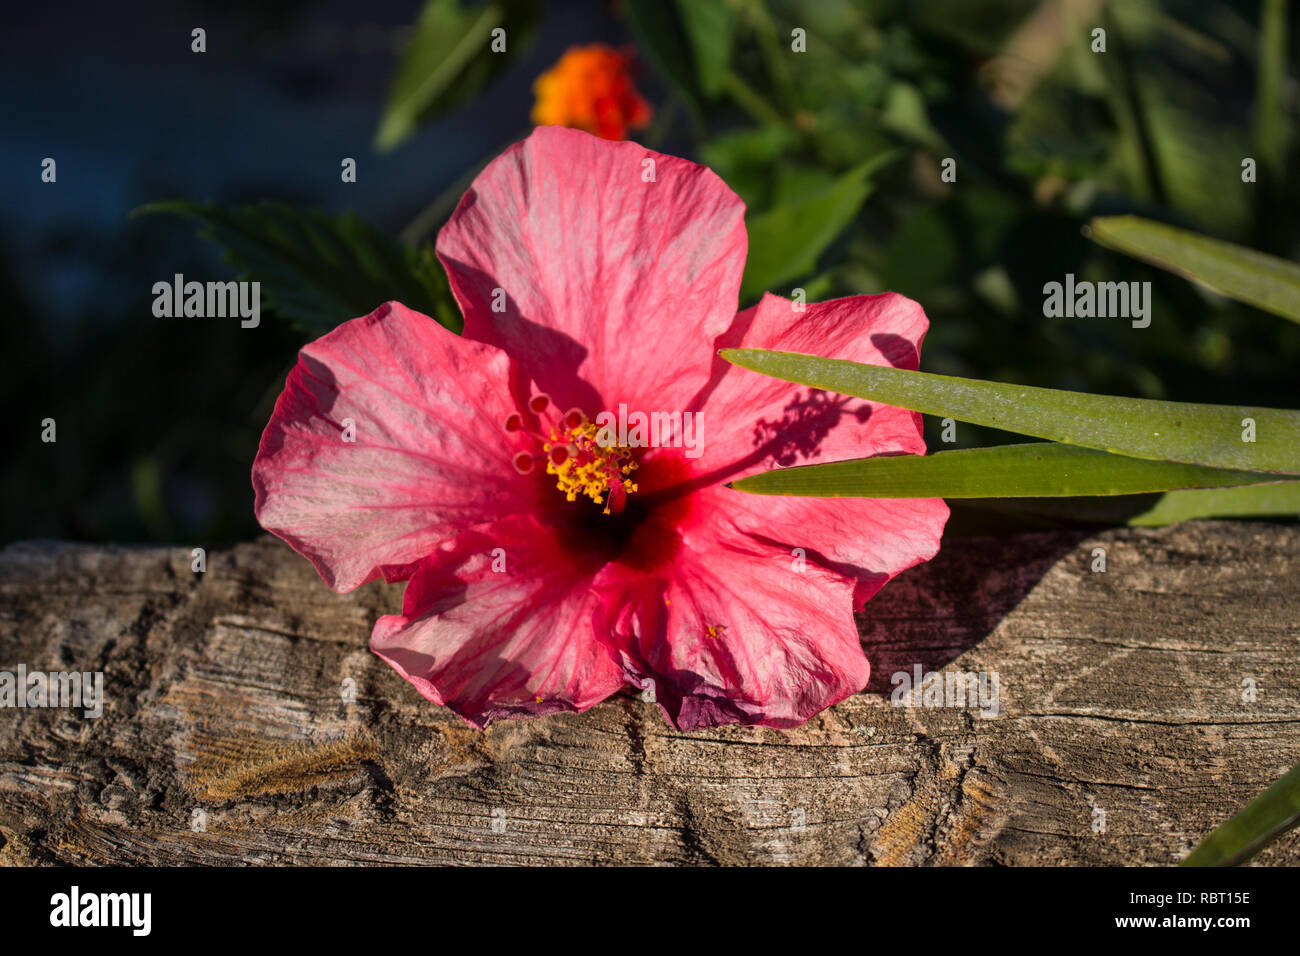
(1121,692)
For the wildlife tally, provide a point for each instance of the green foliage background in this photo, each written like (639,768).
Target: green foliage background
(837,152)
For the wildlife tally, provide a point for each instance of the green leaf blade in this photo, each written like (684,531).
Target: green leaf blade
(1264,819)
(1275,500)
(448,59)
(710,27)
(1256,278)
(1030,470)
(1208,435)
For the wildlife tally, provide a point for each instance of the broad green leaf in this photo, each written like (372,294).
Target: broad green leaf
(744,159)
(796,182)
(1279,499)
(1258,279)
(905,113)
(1031,470)
(1262,821)
(320,270)
(785,241)
(710,29)
(449,58)
(757,146)
(1210,435)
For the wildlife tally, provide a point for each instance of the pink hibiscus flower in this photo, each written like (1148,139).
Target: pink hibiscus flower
(549,565)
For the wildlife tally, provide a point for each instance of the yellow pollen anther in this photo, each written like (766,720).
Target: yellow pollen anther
(589,468)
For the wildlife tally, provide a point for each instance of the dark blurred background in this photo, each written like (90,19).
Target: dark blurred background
(158,419)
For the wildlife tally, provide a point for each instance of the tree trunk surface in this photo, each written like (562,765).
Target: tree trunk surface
(1138,707)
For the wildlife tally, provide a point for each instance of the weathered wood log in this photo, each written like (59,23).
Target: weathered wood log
(1125,729)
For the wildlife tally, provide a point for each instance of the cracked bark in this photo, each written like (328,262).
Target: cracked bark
(1121,695)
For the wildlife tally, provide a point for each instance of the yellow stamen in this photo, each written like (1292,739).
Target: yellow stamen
(589,468)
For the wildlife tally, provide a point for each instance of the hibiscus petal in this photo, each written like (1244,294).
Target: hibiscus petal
(429,458)
(868,539)
(606,287)
(499,624)
(753,422)
(733,633)
(750,423)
